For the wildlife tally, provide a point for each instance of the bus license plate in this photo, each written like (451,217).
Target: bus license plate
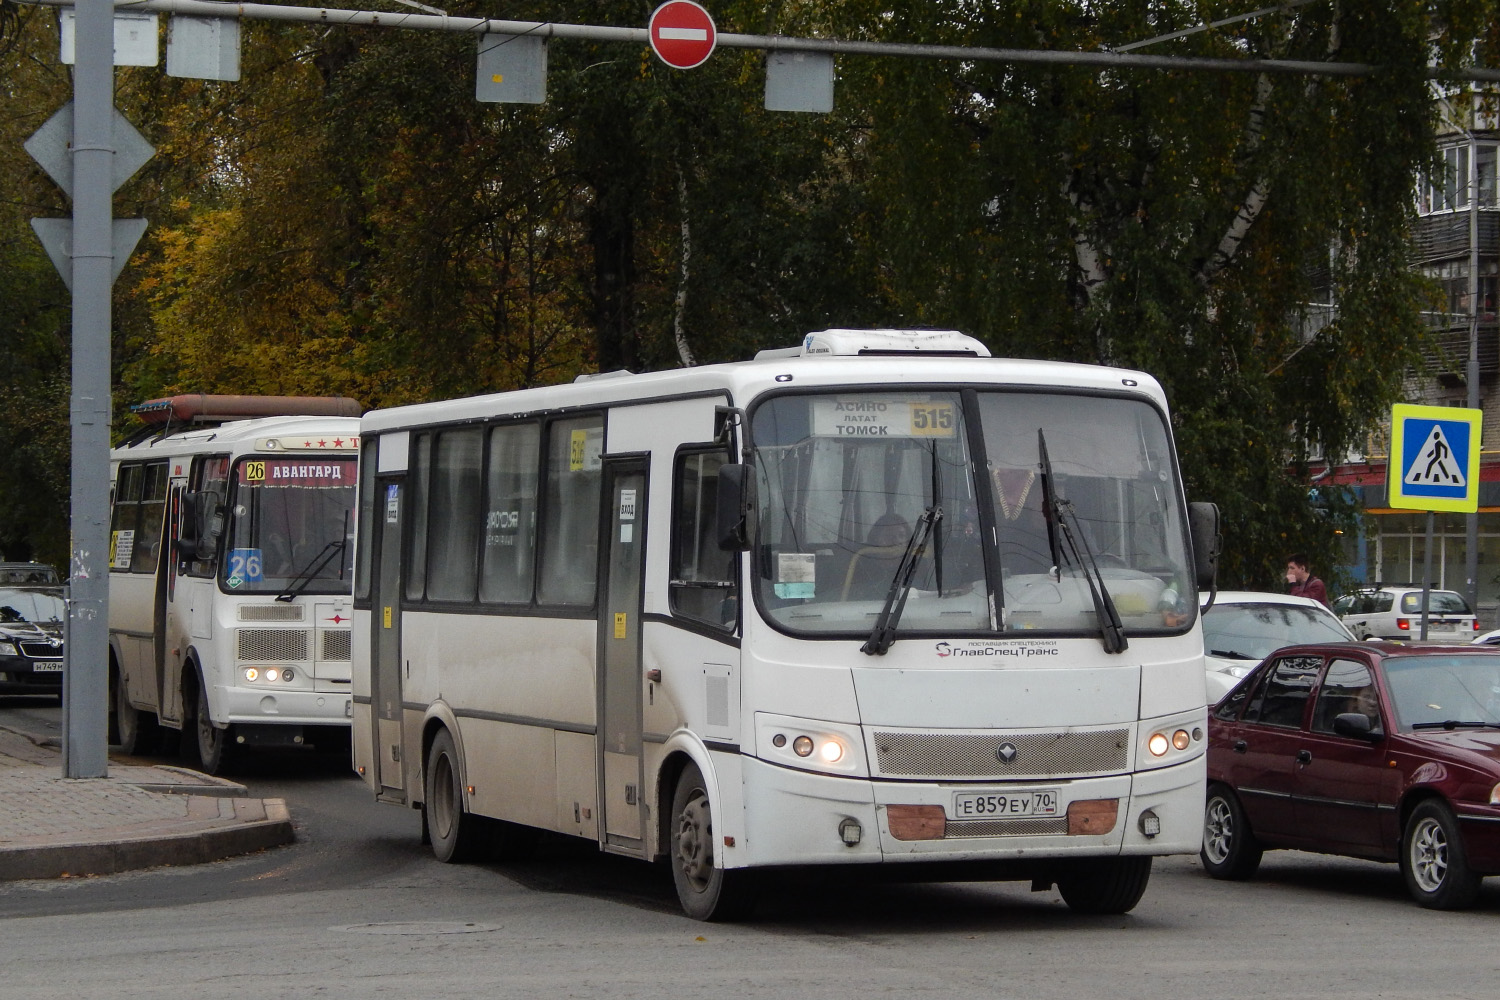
(43,668)
(1016,805)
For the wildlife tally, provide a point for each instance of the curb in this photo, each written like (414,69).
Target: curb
(254,824)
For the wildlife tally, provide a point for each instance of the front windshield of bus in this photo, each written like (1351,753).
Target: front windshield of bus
(290,519)
(845,477)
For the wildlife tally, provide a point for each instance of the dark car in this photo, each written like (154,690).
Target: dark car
(1376,750)
(31,640)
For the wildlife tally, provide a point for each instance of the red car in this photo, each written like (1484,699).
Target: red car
(1376,750)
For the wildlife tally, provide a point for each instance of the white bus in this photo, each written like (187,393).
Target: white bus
(879,599)
(231,575)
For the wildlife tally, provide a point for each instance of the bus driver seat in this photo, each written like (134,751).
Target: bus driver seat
(884,546)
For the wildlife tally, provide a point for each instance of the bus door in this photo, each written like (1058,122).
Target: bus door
(621,795)
(385,640)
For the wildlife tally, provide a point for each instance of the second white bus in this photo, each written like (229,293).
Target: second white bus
(230,575)
(879,599)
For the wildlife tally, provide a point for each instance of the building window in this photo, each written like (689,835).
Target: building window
(1449,190)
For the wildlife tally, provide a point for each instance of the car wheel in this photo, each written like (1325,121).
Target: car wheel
(452,830)
(706,891)
(1433,859)
(1104,885)
(1230,850)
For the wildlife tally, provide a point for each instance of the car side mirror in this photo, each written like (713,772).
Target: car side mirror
(1203,529)
(736,502)
(1355,725)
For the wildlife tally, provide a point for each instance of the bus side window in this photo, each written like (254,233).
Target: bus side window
(570,531)
(153,514)
(702,583)
(510,515)
(124,519)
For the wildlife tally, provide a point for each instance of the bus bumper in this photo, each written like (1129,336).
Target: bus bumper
(797,817)
(238,706)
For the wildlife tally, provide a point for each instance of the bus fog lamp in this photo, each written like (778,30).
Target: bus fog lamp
(1150,823)
(832,752)
(802,746)
(1181,740)
(1157,744)
(850,832)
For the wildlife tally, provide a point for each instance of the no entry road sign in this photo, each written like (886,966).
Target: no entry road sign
(1434,462)
(682,34)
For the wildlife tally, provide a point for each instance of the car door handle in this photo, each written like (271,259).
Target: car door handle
(1304,756)
(1240,746)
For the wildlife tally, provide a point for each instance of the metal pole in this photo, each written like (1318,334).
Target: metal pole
(85,700)
(1426,575)
(1471,520)
(777,43)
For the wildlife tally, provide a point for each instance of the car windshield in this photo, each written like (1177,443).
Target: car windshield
(1439,602)
(285,517)
(18,606)
(1428,691)
(844,479)
(1253,631)
(27,573)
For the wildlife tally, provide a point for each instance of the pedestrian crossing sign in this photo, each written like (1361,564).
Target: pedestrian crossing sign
(1434,462)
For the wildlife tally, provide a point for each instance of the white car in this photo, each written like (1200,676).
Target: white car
(1395,612)
(1244,627)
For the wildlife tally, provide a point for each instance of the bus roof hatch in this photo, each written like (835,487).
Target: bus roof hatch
(852,343)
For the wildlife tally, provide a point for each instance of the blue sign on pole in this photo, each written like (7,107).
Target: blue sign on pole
(1434,463)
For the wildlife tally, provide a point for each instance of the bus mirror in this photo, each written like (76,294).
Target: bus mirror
(1203,526)
(202,523)
(736,501)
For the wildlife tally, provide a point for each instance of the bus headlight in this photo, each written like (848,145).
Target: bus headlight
(1172,740)
(809,745)
(1157,744)
(251,674)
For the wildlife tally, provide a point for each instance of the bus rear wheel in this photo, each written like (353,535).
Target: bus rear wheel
(135,732)
(1105,885)
(452,830)
(706,891)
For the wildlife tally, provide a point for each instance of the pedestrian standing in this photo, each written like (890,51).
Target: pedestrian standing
(1304,584)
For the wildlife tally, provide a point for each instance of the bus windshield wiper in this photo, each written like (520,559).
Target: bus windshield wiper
(312,569)
(1455,724)
(1060,510)
(1231,654)
(884,632)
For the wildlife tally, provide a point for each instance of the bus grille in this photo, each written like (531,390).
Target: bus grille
(1007,828)
(273,644)
(336,645)
(270,612)
(974,755)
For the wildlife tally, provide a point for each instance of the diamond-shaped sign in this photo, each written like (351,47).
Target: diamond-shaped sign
(52,145)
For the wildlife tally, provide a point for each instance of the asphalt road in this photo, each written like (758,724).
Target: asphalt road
(358,908)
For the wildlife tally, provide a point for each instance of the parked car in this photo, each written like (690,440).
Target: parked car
(27,573)
(1242,628)
(31,639)
(1395,612)
(1374,750)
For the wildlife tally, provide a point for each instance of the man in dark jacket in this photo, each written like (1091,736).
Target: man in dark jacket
(1304,584)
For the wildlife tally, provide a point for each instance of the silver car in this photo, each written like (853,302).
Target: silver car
(1244,627)
(1395,612)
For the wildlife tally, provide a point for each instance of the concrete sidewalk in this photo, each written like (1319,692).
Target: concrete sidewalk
(137,817)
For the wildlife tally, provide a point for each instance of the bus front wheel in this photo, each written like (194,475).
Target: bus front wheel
(1104,885)
(213,742)
(451,829)
(706,891)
